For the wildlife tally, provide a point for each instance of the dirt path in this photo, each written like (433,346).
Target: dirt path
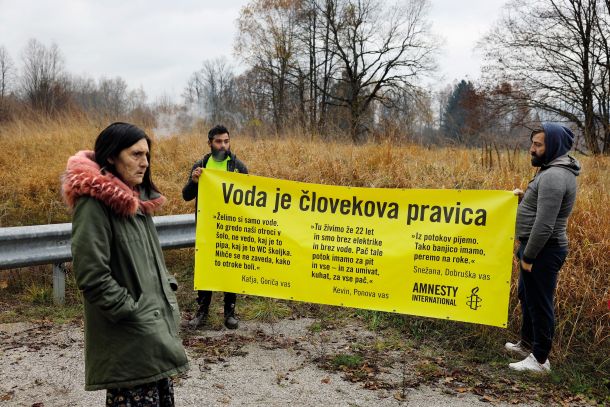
(257,365)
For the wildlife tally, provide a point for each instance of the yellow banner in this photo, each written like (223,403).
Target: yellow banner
(436,253)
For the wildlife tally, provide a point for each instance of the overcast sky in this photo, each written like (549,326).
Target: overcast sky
(158,44)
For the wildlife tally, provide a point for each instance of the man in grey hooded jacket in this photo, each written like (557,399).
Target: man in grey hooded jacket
(542,219)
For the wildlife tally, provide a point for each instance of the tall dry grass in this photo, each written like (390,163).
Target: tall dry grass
(33,156)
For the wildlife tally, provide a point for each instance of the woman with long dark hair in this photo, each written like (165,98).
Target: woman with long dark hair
(132,348)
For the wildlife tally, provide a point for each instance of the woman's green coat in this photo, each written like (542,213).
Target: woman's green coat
(131,312)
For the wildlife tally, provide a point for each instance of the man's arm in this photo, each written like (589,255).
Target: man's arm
(518,192)
(241,167)
(551,190)
(189,192)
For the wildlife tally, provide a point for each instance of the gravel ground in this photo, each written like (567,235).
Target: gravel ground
(258,365)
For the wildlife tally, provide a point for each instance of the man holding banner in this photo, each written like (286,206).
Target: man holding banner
(220,158)
(542,218)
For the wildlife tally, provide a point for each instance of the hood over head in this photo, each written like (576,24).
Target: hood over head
(558,141)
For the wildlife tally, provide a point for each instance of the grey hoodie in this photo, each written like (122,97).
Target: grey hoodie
(548,201)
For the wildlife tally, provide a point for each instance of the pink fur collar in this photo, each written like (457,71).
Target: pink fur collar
(84,178)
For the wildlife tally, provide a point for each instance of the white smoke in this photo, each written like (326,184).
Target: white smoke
(176,120)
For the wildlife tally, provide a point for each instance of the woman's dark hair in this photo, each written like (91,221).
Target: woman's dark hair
(115,138)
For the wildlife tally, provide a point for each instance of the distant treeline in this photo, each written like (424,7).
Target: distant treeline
(356,70)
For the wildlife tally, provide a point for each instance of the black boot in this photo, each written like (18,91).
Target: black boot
(230,321)
(200,317)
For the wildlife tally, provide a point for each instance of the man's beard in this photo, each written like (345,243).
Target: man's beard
(537,161)
(220,154)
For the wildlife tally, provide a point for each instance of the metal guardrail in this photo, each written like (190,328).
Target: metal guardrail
(24,246)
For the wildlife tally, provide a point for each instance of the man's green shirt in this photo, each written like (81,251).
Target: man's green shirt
(212,164)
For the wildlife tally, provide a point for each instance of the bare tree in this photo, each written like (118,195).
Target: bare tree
(267,41)
(408,116)
(84,93)
(602,92)
(212,90)
(379,48)
(7,75)
(219,89)
(254,102)
(107,98)
(327,66)
(112,96)
(504,119)
(136,99)
(308,36)
(193,92)
(138,110)
(7,72)
(316,62)
(43,79)
(553,50)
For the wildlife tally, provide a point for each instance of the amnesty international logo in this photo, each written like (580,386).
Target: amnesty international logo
(474,301)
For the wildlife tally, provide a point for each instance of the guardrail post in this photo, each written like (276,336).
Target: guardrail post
(59,283)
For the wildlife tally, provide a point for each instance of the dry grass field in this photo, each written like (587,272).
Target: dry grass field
(33,156)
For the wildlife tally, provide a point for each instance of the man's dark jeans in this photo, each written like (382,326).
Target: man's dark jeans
(205,297)
(536,293)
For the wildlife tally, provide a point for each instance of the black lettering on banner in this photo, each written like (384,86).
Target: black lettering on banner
(446,214)
(251,197)
(281,201)
(355,206)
